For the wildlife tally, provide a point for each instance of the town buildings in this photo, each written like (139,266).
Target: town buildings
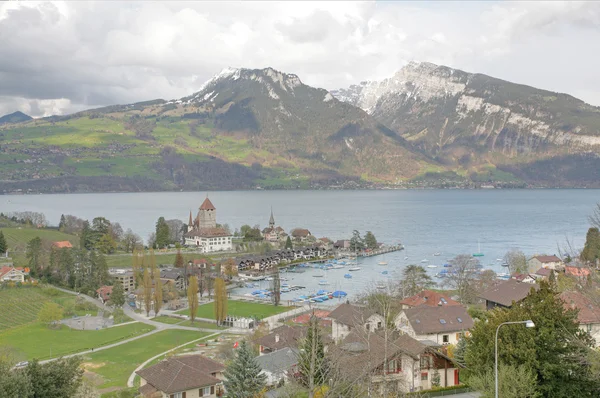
(348,317)
(588,314)
(507,293)
(551,262)
(442,325)
(272,233)
(204,233)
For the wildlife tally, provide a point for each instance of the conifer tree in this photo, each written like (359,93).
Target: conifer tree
(591,250)
(243,377)
(117,297)
(3,245)
(62,224)
(288,243)
(312,364)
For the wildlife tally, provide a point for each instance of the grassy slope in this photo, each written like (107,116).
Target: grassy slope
(182,322)
(38,341)
(17,238)
(125,261)
(238,308)
(116,364)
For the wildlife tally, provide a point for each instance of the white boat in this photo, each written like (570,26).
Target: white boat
(323,283)
(380,286)
(319,275)
(432,266)
(406,258)
(269,278)
(336,267)
(436,254)
(354,269)
(382,263)
(424,261)
(256,278)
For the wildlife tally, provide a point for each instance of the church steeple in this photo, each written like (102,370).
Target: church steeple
(191,223)
(272,220)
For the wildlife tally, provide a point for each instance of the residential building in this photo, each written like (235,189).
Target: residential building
(347,317)
(507,293)
(428,298)
(279,365)
(342,245)
(12,274)
(274,233)
(63,244)
(204,233)
(543,274)
(301,234)
(537,262)
(396,363)
(588,313)
(127,279)
(189,376)
(282,337)
(104,293)
(525,278)
(441,325)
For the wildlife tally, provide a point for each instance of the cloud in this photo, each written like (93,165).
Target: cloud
(61,57)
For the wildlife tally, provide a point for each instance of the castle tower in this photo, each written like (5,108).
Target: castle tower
(207,215)
(272,220)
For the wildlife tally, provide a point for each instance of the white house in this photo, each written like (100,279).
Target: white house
(279,365)
(551,262)
(588,315)
(442,325)
(12,274)
(204,233)
(347,317)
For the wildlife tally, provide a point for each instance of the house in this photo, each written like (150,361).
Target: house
(342,245)
(282,337)
(203,232)
(504,294)
(274,233)
(347,317)
(300,234)
(401,362)
(104,293)
(543,274)
(321,315)
(525,278)
(63,244)
(537,262)
(429,298)
(442,325)
(588,315)
(126,279)
(188,376)
(279,365)
(578,272)
(12,274)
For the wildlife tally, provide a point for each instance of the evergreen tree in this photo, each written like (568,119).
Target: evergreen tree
(591,250)
(86,239)
(288,243)
(34,255)
(243,377)
(3,245)
(414,280)
(117,297)
(312,363)
(179,261)
(62,224)
(162,233)
(370,240)
(459,351)
(356,242)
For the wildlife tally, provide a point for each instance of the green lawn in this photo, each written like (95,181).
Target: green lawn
(238,308)
(38,341)
(17,238)
(183,322)
(125,261)
(116,364)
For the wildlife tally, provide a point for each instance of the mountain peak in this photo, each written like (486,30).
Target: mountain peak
(15,117)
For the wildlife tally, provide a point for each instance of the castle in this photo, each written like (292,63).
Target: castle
(204,233)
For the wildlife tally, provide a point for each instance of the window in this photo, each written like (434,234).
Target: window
(459,320)
(588,328)
(445,338)
(368,326)
(426,362)
(443,321)
(423,376)
(378,325)
(206,391)
(178,395)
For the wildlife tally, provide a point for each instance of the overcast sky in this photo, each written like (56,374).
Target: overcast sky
(62,57)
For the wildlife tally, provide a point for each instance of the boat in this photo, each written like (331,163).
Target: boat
(354,269)
(504,264)
(257,278)
(318,275)
(336,267)
(432,266)
(382,263)
(424,261)
(406,258)
(380,286)
(479,253)
(499,259)
(348,276)
(269,278)
(384,272)
(448,265)
(436,254)
(338,294)
(323,283)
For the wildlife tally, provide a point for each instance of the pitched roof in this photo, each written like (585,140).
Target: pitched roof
(300,232)
(278,361)
(149,391)
(207,205)
(588,311)
(6,269)
(207,232)
(577,271)
(429,298)
(509,291)
(351,315)
(548,259)
(282,337)
(182,373)
(62,244)
(104,292)
(543,272)
(427,320)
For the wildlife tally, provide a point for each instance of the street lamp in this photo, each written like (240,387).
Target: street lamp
(528,324)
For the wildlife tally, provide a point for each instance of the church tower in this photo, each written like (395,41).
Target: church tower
(207,215)
(272,220)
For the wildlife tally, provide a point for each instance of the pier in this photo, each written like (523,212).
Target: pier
(387,249)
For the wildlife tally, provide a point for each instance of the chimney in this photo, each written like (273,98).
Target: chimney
(277,338)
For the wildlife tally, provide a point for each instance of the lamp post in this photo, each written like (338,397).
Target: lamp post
(529,324)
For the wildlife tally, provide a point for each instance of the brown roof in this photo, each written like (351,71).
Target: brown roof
(207,205)
(207,232)
(588,311)
(429,298)
(426,320)
(548,259)
(577,271)
(62,244)
(104,292)
(149,391)
(351,315)
(543,272)
(300,232)
(183,373)
(281,337)
(507,292)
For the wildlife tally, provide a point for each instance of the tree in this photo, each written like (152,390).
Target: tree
(117,297)
(356,242)
(220,301)
(414,280)
(288,243)
(192,296)
(243,377)
(463,277)
(556,350)
(209,283)
(86,240)
(179,261)
(312,363)
(230,268)
(3,245)
(62,224)
(516,260)
(276,287)
(595,217)
(175,231)
(591,249)
(147,289)
(56,379)
(34,254)
(115,231)
(50,313)
(370,240)
(106,244)
(162,238)
(13,383)
(158,292)
(513,382)
(131,241)
(459,351)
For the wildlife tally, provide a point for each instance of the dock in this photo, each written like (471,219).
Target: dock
(387,249)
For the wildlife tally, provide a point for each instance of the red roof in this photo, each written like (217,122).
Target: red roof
(577,271)
(429,298)
(62,244)
(588,312)
(304,318)
(104,292)
(207,205)
(5,270)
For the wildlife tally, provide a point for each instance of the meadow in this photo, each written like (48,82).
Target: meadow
(238,308)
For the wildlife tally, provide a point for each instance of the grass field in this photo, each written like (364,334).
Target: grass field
(38,341)
(125,261)
(17,238)
(116,364)
(238,308)
(183,322)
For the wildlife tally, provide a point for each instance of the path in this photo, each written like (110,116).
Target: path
(132,375)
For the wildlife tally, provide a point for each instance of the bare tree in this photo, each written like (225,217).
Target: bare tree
(175,230)
(463,277)
(595,217)
(516,260)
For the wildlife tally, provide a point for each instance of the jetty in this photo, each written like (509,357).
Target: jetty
(383,250)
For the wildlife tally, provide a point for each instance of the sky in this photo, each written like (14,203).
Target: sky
(63,57)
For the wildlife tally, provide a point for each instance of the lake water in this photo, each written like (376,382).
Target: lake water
(450,222)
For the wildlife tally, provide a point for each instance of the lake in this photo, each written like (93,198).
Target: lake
(450,222)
